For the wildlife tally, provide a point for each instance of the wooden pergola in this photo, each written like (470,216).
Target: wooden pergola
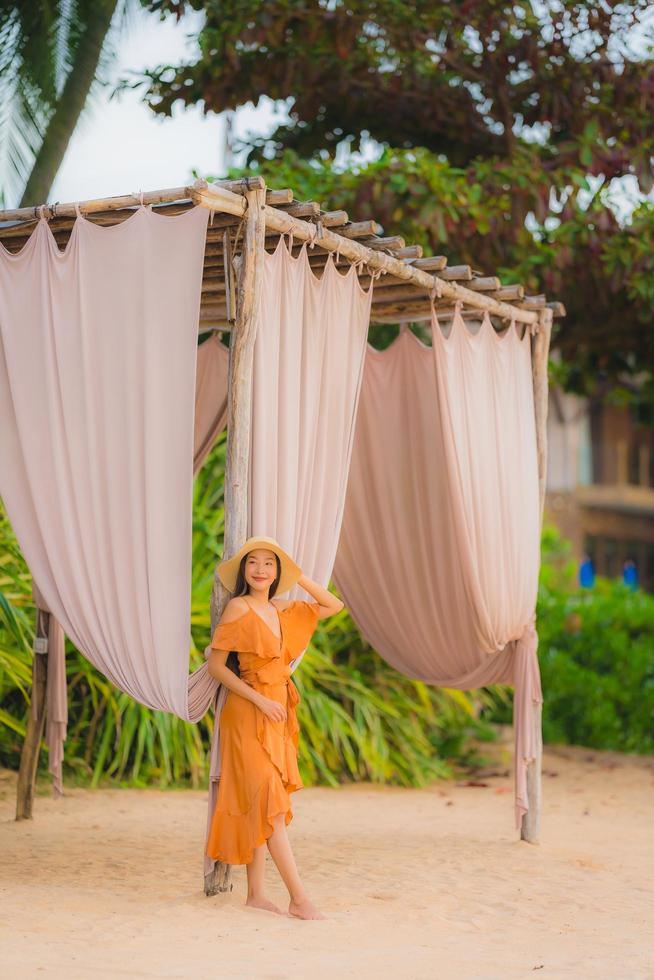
(248,220)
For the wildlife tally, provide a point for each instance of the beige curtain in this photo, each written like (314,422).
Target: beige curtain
(97,381)
(308,360)
(439,551)
(210,397)
(210,419)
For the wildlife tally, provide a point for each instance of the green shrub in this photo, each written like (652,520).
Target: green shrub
(596,653)
(360,719)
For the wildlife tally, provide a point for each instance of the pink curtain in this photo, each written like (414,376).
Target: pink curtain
(210,397)
(439,552)
(210,419)
(308,360)
(97,384)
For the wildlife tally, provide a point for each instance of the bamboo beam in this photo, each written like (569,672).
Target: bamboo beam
(302,209)
(408,252)
(129,200)
(380,260)
(456,272)
(330,219)
(510,293)
(239,389)
(533,303)
(484,284)
(226,197)
(540,345)
(358,229)
(390,242)
(29,756)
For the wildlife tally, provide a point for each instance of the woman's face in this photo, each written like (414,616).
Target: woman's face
(260,570)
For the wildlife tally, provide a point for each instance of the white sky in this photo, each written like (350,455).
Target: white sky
(120,146)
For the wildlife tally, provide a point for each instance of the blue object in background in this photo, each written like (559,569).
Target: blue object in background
(630,574)
(586,573)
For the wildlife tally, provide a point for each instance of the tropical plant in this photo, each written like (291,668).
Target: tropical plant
(50,56)
(360,719)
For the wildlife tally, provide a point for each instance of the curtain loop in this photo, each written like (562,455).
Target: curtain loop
(41,215)
(211,214)
(317,232)
(436,290)
(290,242)
(141,197)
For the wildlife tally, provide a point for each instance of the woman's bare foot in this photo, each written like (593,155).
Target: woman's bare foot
(259,902)
(304,909)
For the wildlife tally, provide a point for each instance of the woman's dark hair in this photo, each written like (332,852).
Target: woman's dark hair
(242,588)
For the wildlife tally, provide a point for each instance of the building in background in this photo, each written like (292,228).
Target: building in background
(600,485)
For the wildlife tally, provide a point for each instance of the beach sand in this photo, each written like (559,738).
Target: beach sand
(429,883)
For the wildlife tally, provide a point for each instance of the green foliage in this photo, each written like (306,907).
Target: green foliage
(599,270)
(359,718)
(466,80)
(596,651)
(499,128)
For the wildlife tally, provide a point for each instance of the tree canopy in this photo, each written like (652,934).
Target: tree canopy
(500,129)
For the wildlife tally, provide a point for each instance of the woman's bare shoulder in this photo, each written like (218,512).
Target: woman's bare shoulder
(282,603)
(234,609)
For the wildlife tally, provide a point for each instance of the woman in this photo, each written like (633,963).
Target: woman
(258,723)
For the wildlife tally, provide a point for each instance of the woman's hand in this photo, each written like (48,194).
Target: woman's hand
(329,603)
(272,709)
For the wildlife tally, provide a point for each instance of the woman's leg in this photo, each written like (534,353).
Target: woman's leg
(281,853)
(256,871)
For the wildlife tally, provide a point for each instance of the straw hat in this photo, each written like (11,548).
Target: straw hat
(290,571)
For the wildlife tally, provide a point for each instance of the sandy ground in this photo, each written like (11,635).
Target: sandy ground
(416,883)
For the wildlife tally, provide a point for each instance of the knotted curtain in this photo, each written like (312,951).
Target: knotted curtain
(439,551)
(97,388)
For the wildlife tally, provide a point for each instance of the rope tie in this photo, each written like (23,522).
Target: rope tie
(317,232)
(238,235)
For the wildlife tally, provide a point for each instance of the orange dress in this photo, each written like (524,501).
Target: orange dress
(258,756)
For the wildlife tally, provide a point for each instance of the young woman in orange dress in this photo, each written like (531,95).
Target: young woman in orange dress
(251,650)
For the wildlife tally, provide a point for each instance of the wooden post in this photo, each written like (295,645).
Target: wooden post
(540,346)
(239,391)
(29,756)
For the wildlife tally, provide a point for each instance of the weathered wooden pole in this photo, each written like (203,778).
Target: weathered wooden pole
(239,392)
(29,756)
(540,346)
